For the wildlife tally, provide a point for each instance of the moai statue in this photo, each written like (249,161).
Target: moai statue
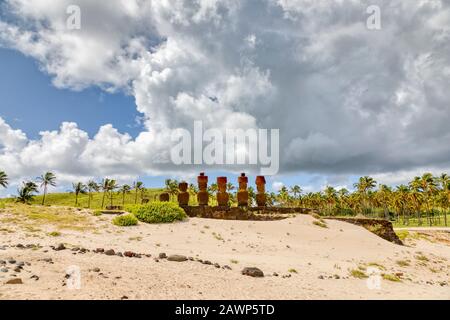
(222,195)
(261,199)
(202,196)
(242,195)
(164,197)
(183,195)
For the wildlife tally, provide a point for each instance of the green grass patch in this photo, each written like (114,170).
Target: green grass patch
(423,258)
(403,263)
(68,199)
(54,234)
(321,224)
(391,277)
(402,234)
(356,273)
(292,271)
(126,220)
(376,265)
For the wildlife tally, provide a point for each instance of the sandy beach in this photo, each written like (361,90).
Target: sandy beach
(300,260)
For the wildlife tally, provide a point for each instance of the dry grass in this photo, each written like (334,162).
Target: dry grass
(33,218)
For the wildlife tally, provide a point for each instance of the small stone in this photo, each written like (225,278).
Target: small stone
(110,252)
(49,260)
(207,262)
(35,277)
(4,270)
(96,269)
(321,277)
(75,249)
(15,281)
(99,250)
(177,258)
(227,267)
(337,277)
(124,298)
(12,261)
(253,272)
(191,258)
(156,260)
(148,255)
(275,274)
(83,250)
(2,262)
(163,256)
(17,269)
(119,254)
(20,246)
(20,264)
(128,254)
(60,247)
(217,265)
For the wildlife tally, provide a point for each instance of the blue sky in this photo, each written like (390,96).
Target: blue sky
(31,103)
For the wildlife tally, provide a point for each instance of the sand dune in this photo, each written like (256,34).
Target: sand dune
(311,262)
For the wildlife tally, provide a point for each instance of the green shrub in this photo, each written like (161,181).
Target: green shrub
(158,212)
(2,206)
(97,213)
(126,220)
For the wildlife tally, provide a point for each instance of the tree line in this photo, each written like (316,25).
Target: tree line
(108,187)
(425,199)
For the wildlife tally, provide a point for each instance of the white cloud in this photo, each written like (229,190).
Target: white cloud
(347,100)
(277,186)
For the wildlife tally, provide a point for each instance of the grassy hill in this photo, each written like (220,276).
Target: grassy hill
(68,199)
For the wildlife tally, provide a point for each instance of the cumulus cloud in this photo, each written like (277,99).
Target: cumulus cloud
(347,100)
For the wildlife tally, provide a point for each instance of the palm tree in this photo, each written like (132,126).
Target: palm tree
(137,186)
(3,179)
(428,186)
(364,185)
(47,179)
(104,187)
(172,187)
(296,193)
(383,195)
(112,185)
(331,198)
(92,187)
(124,190)
(213,189)
(283,196)
(78,188)
(26,192)
(251,196)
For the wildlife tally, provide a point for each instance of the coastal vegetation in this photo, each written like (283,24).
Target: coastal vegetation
(424,201)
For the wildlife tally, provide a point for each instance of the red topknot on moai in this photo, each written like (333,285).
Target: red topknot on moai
(242,195)
(222,195)
(202,196)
